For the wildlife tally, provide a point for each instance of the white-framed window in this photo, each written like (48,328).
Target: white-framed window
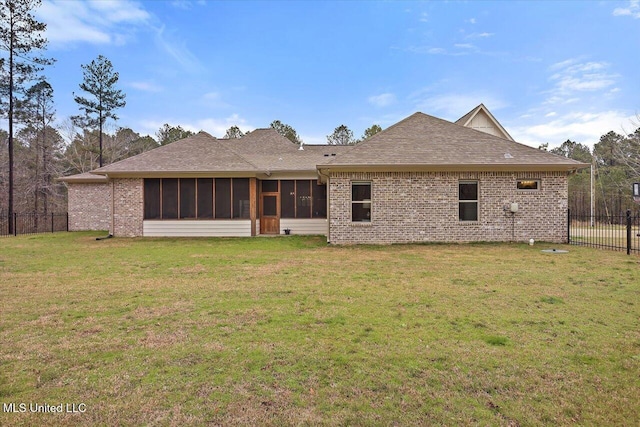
(361,201)
(528,184)
(468,200)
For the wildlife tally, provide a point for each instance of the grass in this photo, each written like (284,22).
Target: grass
(290,331)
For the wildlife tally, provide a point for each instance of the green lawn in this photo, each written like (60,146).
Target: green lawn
(290,331)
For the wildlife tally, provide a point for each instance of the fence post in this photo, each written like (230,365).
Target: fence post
(569,226)
(628,231)
(67,222)
(15,224)
(52,222)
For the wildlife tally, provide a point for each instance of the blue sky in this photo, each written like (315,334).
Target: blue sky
(549,71)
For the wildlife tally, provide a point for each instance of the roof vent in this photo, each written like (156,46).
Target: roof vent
(333,154)
(508,156)
(326,155)
(301,147)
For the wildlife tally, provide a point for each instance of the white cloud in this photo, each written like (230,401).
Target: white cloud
(471,21)
(483,35)
(110,22)
(632,10)
(96,22)
(382,100)
(435,51)
(560,100)
(117,11)
(218,127)
(146,86)
(424,17)
(187,4)
(571,78)
(583,127)
(177,50)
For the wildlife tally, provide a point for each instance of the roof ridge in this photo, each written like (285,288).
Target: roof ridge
(376,136)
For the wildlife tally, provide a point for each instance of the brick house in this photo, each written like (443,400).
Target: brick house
(421,179)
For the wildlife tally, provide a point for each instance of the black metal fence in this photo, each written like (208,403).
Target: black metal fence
(33,223)
(615,232)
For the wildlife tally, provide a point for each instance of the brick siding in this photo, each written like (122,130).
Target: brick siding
(128,208)
(89,206)
(423,207)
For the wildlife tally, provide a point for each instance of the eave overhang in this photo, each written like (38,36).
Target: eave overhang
(269,174)
(96,179)
(177,174)
(497,167)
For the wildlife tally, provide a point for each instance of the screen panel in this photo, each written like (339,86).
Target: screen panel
(188,198)
(241,208)
(205,198)
(223,198)
(152,198)
(170,198)
(288,199)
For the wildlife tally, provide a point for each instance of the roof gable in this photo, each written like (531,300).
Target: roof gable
(480,118)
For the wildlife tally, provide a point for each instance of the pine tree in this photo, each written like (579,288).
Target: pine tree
(99,81)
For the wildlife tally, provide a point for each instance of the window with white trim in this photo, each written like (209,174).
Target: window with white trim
(361,201)
(468,200)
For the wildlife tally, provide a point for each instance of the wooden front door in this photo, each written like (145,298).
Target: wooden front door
(270,213)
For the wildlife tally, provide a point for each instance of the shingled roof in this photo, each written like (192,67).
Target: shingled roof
(262,151)
(193,155)
(418,143)
(272,152)
(423,142)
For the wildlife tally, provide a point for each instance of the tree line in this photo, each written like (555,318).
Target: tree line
(615,161)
